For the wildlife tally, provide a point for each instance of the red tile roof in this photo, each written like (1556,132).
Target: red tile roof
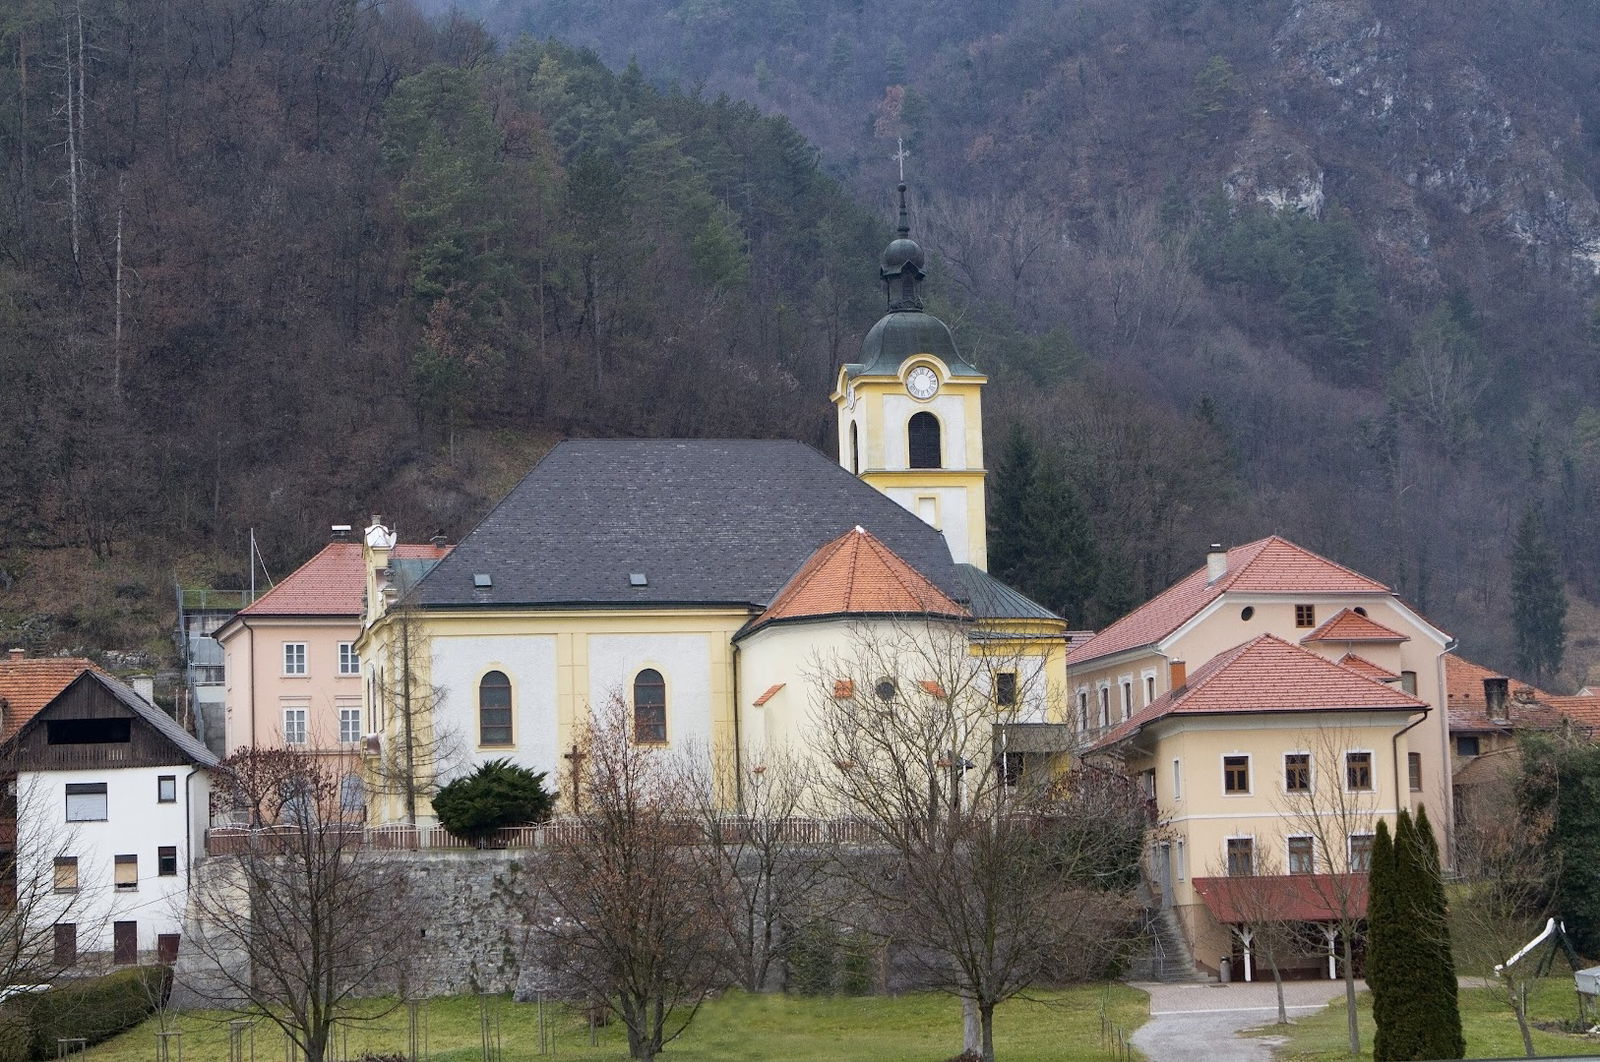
(856,574)
(1269,565)
(767,696)
(1267,674)
(1294,897)
(29,683)
(844,689)
(1363,666)
(1347,625)
(1584,710)
(332,583)
(1527,706)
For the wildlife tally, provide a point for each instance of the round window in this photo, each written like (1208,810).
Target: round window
(1360,611)
(885,689)
(1247,613)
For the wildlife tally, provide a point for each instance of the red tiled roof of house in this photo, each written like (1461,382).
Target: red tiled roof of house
(1527,706)
(772,691)
(1268,565)
(331,583)
(1583,710)
(931,688)
(856,574)
(1347,625)
(27,684)
(844,689)
(1292,897)
(1362,666)
(1267,675)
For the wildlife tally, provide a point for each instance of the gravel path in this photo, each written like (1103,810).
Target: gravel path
(1197,1023)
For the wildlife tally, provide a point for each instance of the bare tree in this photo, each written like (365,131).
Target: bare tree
(1338,809)
(627,918)
(39,888)
(755,858)
(989,875)
(293,922)
(1255,896)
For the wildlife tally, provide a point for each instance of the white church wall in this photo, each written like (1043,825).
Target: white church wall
(529,661)
(684,661)
(952,413)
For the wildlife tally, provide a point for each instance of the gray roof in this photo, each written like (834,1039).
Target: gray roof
(989,598)
(903,333)
(187,743)
(704,521)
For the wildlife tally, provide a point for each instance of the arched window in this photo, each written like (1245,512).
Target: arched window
(649,708)
(855,449)
(922,438)
(494,709)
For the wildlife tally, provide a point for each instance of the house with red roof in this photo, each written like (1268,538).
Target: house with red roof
(1264,688)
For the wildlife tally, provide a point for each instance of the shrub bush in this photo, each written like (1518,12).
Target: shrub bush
(499,793)
(94,1008)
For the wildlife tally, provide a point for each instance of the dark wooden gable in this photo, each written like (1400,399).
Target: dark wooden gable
(86,727)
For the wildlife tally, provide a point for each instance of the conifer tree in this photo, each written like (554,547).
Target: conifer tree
(1538,602)
(1445,1038)
(1409,965)
(1040,539)
(1383,932)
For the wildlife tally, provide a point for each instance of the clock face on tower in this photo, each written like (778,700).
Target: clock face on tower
(922,382)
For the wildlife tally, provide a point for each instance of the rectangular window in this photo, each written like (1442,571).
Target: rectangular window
(294,658)
(86,802)
(1467,745)
(167,861)
(88,731)
(1147,784)
(1302,856)
(1305,615)
(1083,710)
(349,662)
(1297,772)
(125,943)
(1360,851)
(1183,861)
(1358,771)
(349,724)
(1105,706)
(1241,857)
(1408,682)
(1177,779)
(66,873)
(1414,770)
(166,948)
(1236,774)
(294,726)
(167,789)
(1149,688)
(127,873)
(66,943)
(1005,688)
(1127,699)
(1011,767)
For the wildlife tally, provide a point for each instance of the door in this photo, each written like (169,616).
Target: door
(1163,875)
(125,942)
(166,948)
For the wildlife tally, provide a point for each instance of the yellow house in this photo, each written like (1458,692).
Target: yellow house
(639,571)
(1272,764)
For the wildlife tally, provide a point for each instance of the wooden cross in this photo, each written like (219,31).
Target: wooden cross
(576,758)
(900,155)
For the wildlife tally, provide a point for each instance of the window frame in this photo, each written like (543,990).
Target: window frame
(1127,698)
(122,881)
(349,659)
(1249,843)
(85,789)
(295,663)
(167,861)
(1477,745)
(68,883)
(1371,766)
(66,944)
(916,447)
(1309,782)
(1305,617)
(1350,852)
(1005,689)
(296,731)
(1105,705)
(1149,685)
(1310,854)
(658,733)
(349,713)
(166,789)
(1414,771)
(1248,789)
(509,708)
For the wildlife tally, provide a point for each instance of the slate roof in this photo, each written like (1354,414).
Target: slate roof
(1268,565)
(856,575)
(332,582)
(723,522)
(1348,625)
(989,598)
(1267,675)
(27,684)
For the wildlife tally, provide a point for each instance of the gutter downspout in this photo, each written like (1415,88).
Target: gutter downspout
(251,631)
(738,752)
(1394,750)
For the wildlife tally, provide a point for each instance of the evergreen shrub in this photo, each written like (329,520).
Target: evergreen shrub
(498,794)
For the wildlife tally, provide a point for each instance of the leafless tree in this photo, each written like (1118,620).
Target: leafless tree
(988,876)
(1254,895)
(1338,810)
(626,917)
(300,918)
(754,858)
(39,887)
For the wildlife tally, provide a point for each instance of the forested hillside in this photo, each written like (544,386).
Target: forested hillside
(1238,266)
(1359,237)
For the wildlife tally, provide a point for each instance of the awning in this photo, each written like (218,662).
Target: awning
(1289,897)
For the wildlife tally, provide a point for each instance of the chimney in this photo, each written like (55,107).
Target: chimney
(19,654)
(144,686)
(1178,675)
(1494,698)
(440,540)
(341,532)
(1216,563)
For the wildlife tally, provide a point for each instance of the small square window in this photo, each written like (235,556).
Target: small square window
(1467,745)
(294,658)
(1236,774)
(167,861)
(1305,615)
(1358,771)
(167,789)
(127,873)
(66,873)
(349,662)
(1297,772)
(86,802)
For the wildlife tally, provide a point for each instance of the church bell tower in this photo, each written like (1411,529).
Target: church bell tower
(910,411)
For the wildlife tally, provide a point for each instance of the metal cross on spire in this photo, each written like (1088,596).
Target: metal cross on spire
(900,155)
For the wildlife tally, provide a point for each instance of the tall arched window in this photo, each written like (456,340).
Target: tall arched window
(922,439)
(494,709)
(855,449)
(649,708)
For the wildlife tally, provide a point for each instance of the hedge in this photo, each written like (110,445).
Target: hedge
(95,1009)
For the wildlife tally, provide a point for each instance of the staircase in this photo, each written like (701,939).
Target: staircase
(1166,957)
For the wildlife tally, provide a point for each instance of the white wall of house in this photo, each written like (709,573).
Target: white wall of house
(529,661)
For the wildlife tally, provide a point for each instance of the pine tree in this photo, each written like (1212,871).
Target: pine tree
(1445,1038)
(1383,932)
(1409,965)
(1538,601)
(1013,481)
(1040,539)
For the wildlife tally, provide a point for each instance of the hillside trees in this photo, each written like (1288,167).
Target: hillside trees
(1538,602)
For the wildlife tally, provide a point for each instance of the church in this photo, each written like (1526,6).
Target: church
(703,586)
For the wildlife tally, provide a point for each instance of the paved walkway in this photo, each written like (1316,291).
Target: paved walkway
(1197,1023)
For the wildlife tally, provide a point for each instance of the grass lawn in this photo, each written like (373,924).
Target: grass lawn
(1062,1027)
(1490,1027)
